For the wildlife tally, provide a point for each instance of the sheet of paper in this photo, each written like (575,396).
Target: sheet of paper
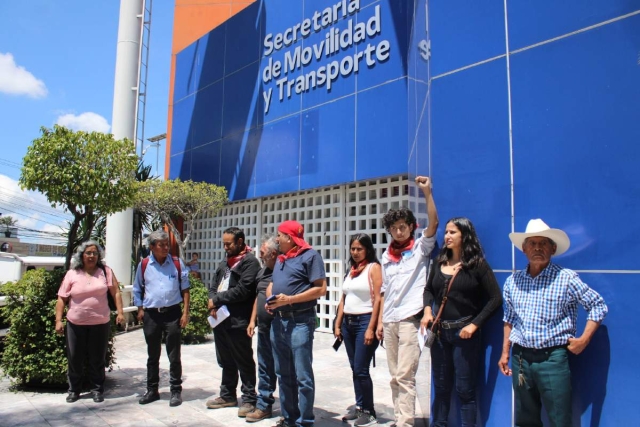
(223,313)
(422,337)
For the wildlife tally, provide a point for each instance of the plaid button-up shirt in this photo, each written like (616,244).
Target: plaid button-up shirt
(544,310)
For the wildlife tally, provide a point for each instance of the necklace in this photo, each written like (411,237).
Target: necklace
(89,277)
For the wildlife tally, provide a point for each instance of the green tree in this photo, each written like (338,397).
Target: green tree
(142,220)
(88,173)
(179,199)
(7,221)
(99,229)
(198,328)
(33,353)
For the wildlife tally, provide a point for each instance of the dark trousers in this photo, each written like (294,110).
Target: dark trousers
(91,341)
(267,378)
(360,355)
(235,356)
(154,325)
(546,379)
(455,363)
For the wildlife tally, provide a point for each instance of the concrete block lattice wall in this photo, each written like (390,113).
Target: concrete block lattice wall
(330,217)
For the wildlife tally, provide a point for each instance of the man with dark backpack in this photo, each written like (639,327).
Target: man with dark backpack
(161,284)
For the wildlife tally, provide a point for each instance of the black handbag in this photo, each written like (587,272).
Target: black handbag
(110,300)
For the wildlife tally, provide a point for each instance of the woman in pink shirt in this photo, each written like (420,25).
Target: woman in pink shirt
(84,289)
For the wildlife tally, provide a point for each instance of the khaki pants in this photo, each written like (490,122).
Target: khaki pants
(403,355)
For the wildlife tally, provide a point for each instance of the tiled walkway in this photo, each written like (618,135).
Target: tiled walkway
(334,392)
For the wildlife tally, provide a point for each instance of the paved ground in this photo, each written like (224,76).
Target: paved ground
(334,392)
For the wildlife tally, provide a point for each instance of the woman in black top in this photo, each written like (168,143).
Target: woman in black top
(473,297)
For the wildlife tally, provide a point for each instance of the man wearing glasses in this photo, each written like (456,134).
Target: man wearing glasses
(404,275)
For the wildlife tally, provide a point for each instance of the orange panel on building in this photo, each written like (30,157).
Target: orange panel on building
(193,19)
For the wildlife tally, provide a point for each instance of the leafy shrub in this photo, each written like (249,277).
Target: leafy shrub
(198,327)
(33,353)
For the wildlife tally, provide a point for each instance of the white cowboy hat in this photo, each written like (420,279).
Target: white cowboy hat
(537,227)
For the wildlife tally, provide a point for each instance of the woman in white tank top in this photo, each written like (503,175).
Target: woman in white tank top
(356,322)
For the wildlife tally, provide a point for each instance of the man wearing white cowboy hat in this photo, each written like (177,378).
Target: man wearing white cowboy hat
(540,316)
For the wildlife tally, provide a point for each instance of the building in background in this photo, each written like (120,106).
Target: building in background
(322,110)
(10,242)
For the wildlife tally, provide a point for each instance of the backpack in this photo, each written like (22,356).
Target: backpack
(176,262)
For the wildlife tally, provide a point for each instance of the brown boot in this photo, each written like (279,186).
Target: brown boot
(258,415)
(246,408)
(219,402)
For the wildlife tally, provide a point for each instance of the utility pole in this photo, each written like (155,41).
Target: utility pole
(123,121)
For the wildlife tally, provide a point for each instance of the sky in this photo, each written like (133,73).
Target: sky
(57,62)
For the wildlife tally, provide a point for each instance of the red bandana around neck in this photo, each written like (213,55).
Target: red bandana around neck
(233,260)
(357,269)
(396,249)
(293,252)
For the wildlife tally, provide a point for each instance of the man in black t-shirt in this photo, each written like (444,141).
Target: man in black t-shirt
(266,369)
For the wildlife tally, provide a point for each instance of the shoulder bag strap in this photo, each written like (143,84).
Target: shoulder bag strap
(372,303)
(444,300)
(371,284)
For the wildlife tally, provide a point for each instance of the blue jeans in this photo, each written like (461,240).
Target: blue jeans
(292,342)
(266,369)
(353,329)
(455,361)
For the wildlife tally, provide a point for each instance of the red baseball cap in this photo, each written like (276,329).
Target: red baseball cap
(295,230)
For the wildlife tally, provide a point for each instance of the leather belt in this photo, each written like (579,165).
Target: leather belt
(519,348)
(455,324)
(162,309)
(292,313)
(355,316)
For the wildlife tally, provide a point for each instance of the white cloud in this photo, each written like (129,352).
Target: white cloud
(32,210)
(53,228)
(16,80)
(86,121)
(31,222)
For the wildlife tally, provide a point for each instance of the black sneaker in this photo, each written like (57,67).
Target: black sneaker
(176,398)
(352,415)
(366,418)
(149,396)
(98,397)
(72,397)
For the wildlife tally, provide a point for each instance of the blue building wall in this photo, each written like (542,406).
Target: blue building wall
(225,134)
(517,109)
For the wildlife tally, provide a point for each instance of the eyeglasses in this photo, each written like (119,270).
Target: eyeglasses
(92,253)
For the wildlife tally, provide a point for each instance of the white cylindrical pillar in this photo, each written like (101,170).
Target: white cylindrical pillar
(123,120)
